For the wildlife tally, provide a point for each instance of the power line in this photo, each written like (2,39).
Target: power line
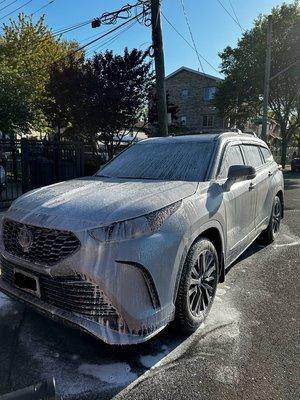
(230,15)
(71,28)
(2,1)
(44,6)
(235,14)
(284,70)
(7,5)
(111,40)
(191,33)
(23,5)
(188,43)
(111,31)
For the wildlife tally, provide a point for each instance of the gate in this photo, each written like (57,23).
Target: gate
(10,171)
(29,164)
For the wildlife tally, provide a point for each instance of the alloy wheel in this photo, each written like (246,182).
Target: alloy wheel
(276,217)
(202,283)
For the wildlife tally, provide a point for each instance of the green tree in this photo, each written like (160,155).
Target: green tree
(152,108)
(240,94)
(101,99)
(28,50)
(15,112)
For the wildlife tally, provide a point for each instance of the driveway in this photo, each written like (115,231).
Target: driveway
(247,349)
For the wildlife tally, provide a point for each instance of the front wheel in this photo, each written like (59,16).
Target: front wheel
(272,231)
(197,286)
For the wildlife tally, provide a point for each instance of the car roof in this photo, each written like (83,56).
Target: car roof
(204,137)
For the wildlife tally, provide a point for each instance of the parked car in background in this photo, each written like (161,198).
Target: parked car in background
(147,239)
(295,164)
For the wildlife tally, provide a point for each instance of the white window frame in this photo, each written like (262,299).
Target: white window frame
(207,118)
(211,91)
(184,94)
(183,120)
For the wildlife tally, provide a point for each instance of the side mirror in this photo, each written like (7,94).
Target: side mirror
(239,173)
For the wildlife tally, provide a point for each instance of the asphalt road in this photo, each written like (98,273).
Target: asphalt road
(247,349)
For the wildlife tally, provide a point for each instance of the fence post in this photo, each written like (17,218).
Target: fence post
(25,165)
(79,159)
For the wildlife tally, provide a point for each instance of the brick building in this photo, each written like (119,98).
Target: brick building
(192,92)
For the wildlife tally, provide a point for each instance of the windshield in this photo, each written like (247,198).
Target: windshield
(185,161)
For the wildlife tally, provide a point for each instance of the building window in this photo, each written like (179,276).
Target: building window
(184,93)
(183,121)
(209,93)
(208,121)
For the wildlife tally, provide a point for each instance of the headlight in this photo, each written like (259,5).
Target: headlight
(136,227)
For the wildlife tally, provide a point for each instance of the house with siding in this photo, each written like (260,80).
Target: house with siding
(193,91)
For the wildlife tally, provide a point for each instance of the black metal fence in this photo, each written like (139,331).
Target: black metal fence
(29,164)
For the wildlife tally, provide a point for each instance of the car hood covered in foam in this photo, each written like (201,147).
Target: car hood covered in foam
(91,202)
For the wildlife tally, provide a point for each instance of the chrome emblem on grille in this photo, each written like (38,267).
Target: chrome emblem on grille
(25,239)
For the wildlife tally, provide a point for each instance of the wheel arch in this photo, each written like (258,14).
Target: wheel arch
(213,232)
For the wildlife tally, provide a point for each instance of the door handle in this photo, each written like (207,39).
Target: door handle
(251,186)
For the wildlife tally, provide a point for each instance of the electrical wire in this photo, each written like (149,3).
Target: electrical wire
(111,31)
(44,6)
(235,14)
(70,28)
(7,5)
(188,43)
(2,1)
(191,33)
(230,15)
(23,5)
(110,41)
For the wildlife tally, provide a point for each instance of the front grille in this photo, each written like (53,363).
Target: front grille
(70,293)
(42,245)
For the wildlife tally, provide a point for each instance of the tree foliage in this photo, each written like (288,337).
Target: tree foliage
(100,99)
(240,94)
(27,53)
(172,108)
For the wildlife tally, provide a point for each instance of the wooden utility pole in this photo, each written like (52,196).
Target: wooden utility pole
(267,80)
(159,69)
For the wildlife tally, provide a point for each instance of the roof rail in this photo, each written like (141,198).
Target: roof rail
(242,133)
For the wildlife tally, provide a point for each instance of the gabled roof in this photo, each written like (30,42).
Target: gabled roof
(194,72)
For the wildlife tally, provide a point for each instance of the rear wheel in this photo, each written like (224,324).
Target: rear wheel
(197,286)
(272,231)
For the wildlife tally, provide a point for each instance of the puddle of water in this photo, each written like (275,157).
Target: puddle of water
(114,373)
(149,361)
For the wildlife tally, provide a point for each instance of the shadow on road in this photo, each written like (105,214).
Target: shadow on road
(34,348)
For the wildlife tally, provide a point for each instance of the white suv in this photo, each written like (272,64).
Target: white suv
(147,239)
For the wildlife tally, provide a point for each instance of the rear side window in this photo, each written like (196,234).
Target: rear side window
(232,156)
(266,154)
(252,155)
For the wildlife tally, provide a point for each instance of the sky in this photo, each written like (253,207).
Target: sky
(212,28)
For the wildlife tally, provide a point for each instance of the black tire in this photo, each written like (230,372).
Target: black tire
(269,235)
(201,264)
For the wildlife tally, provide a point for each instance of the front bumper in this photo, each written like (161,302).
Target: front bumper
(75,320)
(137,276)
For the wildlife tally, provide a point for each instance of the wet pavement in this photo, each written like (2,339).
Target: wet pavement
(247,349)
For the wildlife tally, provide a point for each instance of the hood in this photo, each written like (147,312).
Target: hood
(92,202)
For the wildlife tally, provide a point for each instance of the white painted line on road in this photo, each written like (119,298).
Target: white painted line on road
(287,244)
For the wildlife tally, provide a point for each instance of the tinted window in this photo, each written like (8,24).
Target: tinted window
(252,154)
(233,156)
(267,154)
(186,161)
